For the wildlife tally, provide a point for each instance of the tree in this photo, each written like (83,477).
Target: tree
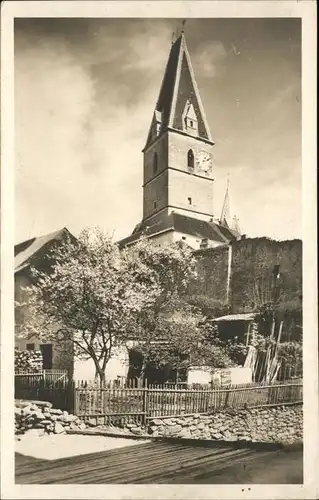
(89,296)
(177,337)
(96,294)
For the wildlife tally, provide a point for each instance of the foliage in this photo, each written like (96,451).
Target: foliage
(177,337)
(174,266)
(211,308)
(95,293)
(237,352)
(291,354)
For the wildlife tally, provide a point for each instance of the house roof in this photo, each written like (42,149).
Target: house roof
(178,85)
(181,224)
(236,317)
(25,251)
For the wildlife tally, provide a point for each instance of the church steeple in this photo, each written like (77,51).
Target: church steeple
(179,106)
(178,163)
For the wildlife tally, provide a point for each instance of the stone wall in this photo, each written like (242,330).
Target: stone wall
(253,260)
(252,264)
(40,415)
(212,270)
(282,424)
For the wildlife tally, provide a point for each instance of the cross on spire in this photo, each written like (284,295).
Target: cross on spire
(183,25)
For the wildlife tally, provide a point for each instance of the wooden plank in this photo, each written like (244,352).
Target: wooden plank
(150,462)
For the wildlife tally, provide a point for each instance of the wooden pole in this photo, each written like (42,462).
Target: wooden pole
(247,334)
(230,251)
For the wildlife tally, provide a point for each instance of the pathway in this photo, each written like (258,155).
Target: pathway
(166,462)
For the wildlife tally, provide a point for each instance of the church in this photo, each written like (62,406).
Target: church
(178,166)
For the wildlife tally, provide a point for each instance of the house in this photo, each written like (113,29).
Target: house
(35,252)
(178,166)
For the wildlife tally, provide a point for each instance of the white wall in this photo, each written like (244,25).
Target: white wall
(199,375)
(163,238)
(173,236)
(116,367)
(204,375)
(235,375)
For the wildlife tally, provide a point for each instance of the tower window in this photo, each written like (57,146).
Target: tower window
(189,200)
(154,204)
(190,119)
(155,163)
(190,159)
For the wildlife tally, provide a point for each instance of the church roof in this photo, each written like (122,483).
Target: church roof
(25,251)
(181,224)
(228,232)
(178,86)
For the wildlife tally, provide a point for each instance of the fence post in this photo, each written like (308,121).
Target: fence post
(71,394)
(75,398)
(269,399)
(145,404)
(227,397)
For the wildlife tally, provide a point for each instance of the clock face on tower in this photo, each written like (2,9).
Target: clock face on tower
(204,162)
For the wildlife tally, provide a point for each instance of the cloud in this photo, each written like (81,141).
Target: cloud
(79,133)
(85,95)
(208,57)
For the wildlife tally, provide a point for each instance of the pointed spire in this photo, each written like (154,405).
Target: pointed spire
(225,214)
(235,224)
(178,87)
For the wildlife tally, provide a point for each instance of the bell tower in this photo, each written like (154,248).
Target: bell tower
(178,151)
(178,164)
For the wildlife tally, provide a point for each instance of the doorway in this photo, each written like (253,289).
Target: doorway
(46,350)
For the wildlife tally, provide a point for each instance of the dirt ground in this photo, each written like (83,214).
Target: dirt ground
(286,467)
(54,446)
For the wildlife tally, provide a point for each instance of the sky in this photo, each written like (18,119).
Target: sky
(85,91)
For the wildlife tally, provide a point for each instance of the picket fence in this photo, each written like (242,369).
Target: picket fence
(138,405)
(116,405)
(52,386)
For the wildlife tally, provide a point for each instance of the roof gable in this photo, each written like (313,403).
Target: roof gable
(27,251)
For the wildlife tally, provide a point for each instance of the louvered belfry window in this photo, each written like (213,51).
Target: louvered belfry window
(190,159)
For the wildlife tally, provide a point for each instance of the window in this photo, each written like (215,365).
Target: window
(190,159)
(155,163)
(190,119)
(46,350)
(189,200)
(154,204)
(30,347)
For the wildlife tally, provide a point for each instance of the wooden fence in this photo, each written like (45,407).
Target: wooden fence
(112,404)
(53,387)
(137,405)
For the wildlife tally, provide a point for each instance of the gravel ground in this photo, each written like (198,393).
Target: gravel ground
(54,446)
